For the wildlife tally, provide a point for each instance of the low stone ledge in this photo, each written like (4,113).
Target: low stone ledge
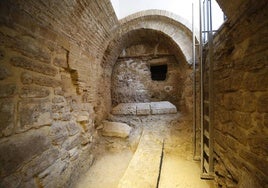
(154,108)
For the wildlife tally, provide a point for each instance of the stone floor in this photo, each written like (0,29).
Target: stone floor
(122,168)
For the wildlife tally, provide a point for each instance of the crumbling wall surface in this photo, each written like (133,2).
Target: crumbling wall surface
(49,89)
(132,81)
(241,99)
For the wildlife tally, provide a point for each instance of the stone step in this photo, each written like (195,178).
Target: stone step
(143,169)
(154,108)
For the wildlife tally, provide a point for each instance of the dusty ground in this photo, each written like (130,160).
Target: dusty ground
(178,168)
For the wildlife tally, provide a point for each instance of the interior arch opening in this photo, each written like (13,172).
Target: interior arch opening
(150,68)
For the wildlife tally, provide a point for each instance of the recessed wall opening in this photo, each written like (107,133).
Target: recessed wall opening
(158,72)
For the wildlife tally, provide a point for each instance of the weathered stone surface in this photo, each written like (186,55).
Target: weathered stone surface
(115,129)
(73,128)
(33,66)
(33,114)
(32,48)
(11,181)
(82,118)
(254,81)
(86,138)
(258,144)
(22,148)
(71,142)
(2,54)
(262,104)
(40,163)
(7,90)
(257,161)
(163,108)
(249,102)
(7,110)
(34,92)
(4,72)
(124,108)
(58,91)
(247,180)
(74,153)
(132,74)
(47,177)
(143,109)
(58,99)
(58,133)
(26,78)
(242,119)
(60,62)
(46,81)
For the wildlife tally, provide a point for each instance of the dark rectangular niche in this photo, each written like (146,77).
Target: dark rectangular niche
(158,72)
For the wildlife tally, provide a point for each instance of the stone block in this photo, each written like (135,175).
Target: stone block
(21,148)
(7,110)
(60,62)
(58,133)
(4,72)
(143,109)
(27,64)
(26,78)
(33,114)
(262,103)
(164,107)
(125,109)
(34,92)
(29,46)
(7,90)
(115,129)
(46,81)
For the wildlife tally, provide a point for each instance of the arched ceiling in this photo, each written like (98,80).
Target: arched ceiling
(150,25)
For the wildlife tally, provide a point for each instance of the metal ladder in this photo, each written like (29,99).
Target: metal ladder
(206,93)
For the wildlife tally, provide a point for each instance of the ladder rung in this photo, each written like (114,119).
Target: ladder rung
(207,176)
(206,134)
(206,118)
(206,149)
(206,166)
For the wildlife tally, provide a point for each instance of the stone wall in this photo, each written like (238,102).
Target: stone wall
(132,81)
(49,79)
(241,99)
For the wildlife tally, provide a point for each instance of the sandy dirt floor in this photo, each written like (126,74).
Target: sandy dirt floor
(179,170)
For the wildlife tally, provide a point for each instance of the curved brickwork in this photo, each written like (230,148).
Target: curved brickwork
(172,26)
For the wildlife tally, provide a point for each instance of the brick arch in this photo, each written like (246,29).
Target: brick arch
(175,28)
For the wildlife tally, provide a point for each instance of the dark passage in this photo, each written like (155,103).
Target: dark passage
(159,72)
